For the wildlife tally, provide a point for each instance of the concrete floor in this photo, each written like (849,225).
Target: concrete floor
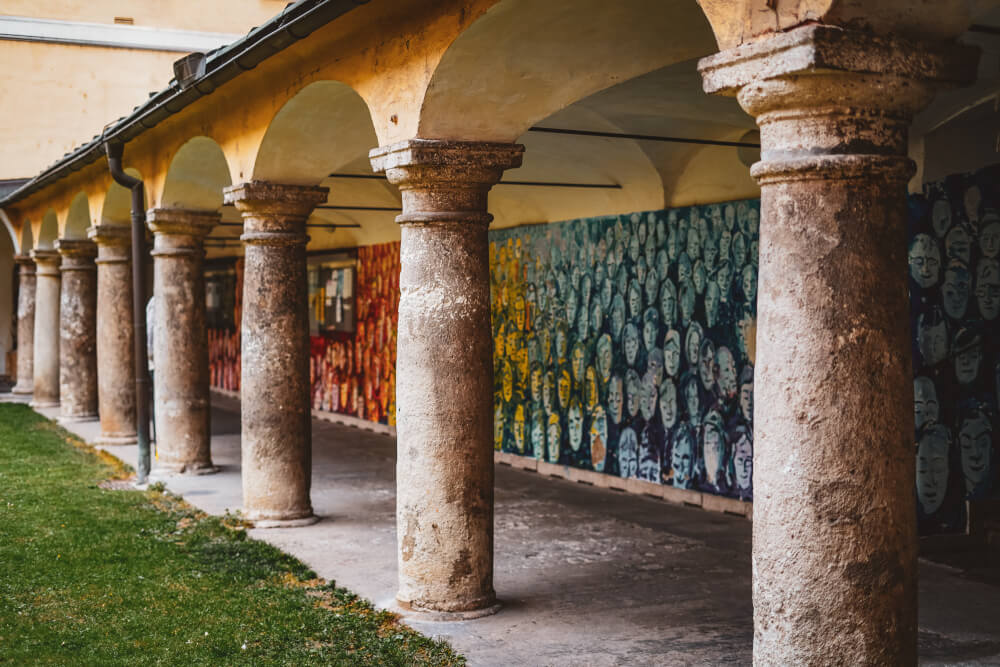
(587,576)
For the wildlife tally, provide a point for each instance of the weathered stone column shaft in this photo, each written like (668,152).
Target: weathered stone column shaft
(180,340)
(276,417)
(78,330)
(25,325)
(115,336)
(45,383)
(444,389)
(835,540)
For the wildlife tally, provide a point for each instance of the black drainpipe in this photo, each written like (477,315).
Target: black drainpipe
(114,152)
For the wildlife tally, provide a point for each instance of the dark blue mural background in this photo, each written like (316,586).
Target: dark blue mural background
(953,244)
(624,344)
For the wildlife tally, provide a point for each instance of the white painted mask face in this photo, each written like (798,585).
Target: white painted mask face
(693,344)
(932,469)
(743,463)
(706,365)
(955,291)
(538,437)
(617,317)
(932,340)
(668,404)
(687,302)
(604,357)
(633,393)
(575,420)
(649,330)
(652,285)
(682,461)
(631,343)
(925,403)
(739,250)
(750,283)
(615,400)
(571,304)
(683,269)
(668,302)
(746,401)
(957,245)
(975,443)
(693,243)
(988,288)
(698,277)
(989,240)
(727,371)
(648,397)
(712,304)
(691,397)
(967,365)
(634,300)
(941,217)
(672,353)
(547,391)
(628,453)
(712,449)
(554,440)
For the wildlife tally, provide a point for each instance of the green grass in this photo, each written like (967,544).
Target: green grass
(91,576)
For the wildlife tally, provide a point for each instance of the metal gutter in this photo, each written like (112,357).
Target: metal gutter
(297,21)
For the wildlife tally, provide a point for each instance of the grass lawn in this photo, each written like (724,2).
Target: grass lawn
(96,576)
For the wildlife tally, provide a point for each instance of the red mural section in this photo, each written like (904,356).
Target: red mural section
(355,374)
(224,343)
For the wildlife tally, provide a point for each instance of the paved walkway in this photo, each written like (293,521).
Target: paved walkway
(587,576)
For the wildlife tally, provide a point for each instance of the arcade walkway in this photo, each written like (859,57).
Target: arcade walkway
(587,576)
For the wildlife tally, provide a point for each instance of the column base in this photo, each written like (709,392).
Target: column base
(44,404)
(416,613)
(283,523)
(104,440)
(22,389)
(76,419)
(184,469)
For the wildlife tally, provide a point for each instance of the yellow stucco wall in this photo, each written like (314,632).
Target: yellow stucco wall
(215,16)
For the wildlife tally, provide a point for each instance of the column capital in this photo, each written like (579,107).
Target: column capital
(180,232)
(46,261)
(444,181)
(274,213)
(182,221)
(816,54)
(77,254)
(834,103)
(111,235)
(26,262)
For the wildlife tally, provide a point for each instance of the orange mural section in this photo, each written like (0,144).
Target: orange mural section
(356,374)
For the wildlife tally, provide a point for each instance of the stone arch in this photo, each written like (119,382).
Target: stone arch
(10,230)
(522,61)
(197,174)
(48,231)
(325,126)
(27,240)
(8,301)
(77,218)
(117,206)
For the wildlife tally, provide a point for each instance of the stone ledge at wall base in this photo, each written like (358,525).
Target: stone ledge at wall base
(670,494)
(706,501)
(332,417)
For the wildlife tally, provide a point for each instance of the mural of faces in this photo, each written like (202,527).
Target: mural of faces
(956,353)
(646,317)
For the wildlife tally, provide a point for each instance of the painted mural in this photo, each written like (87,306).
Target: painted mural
(624,344)
(355,373)
(954,248)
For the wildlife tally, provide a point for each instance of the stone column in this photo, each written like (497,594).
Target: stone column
(78,330)
(115,354)
(834,530)
(25,325)
(180,340)
(276,417)
(45,383)
(444,413)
